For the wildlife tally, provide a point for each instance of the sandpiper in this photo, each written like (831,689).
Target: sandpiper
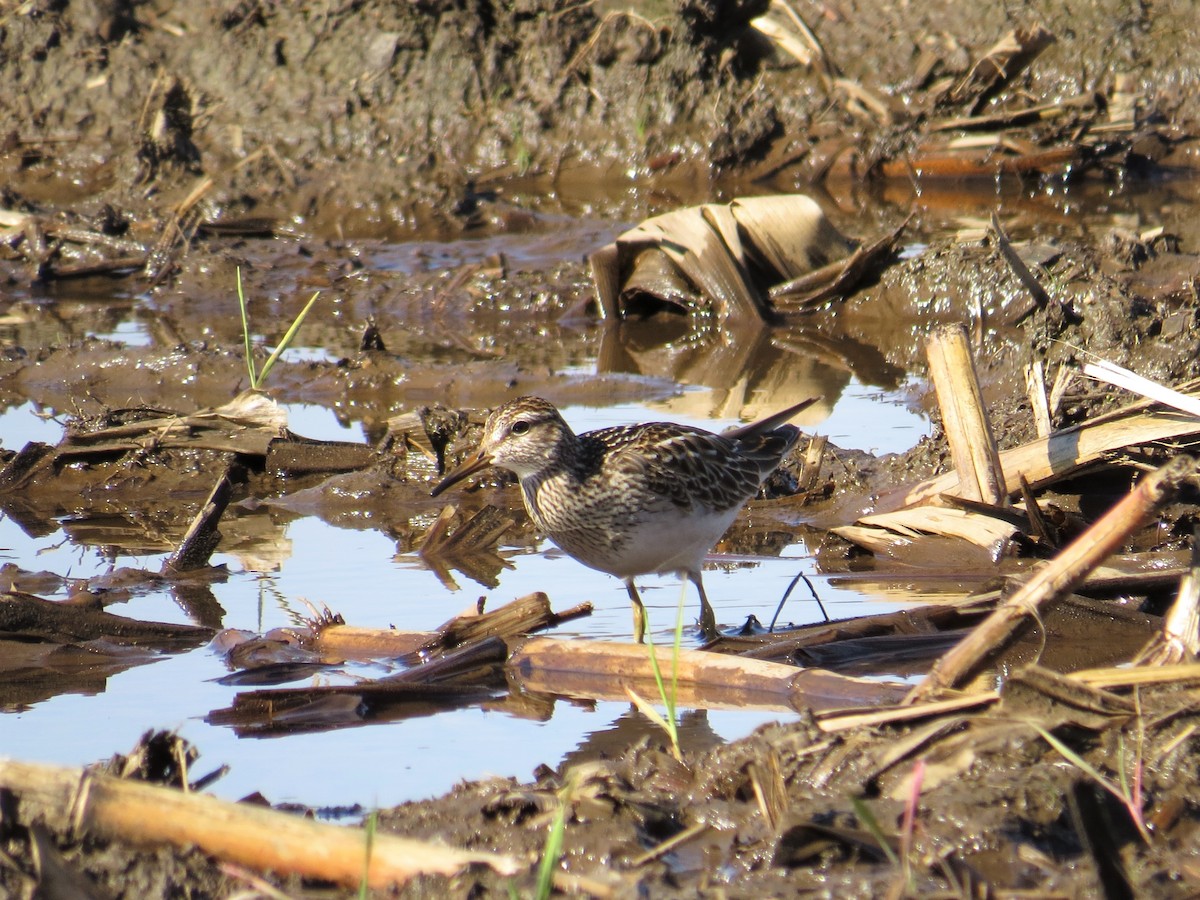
(632,499)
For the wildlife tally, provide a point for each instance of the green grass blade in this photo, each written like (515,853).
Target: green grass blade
(872,825)
(372,824)
(1121,792)
(246,332)
(668,723)
(672,705)
(1122,765)
(647,710)
(1077,761)
(287,338)
(552,852)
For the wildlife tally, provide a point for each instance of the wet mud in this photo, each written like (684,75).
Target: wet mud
(391,156)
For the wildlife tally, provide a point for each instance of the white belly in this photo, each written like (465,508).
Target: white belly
(665,543)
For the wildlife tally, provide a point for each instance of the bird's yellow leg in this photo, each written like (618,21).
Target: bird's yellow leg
(639,612)
(708,619)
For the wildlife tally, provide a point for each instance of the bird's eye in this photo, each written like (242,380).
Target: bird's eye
(520,427)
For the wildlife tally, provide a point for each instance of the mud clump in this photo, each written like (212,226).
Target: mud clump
(383,116)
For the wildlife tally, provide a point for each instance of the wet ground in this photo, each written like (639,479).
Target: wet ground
(441,175)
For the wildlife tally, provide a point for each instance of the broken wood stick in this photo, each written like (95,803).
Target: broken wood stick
(999,65)
(1035,389)
(121,265)
(1059,576)
(1118,376)
(1028,280)
(521,616)
(840,720)
(603,669)
(944,162)
(1180,638)
(202,536)
(813,456)
(1046,460)
(78,803)
(27,614)
(1038,526)
(972,444)
(351,642)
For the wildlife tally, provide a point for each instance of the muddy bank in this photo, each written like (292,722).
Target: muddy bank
(1041,829)
(380,118)
(930,806)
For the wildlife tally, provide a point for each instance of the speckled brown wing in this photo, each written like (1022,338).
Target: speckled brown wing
(768,449)
(688,467)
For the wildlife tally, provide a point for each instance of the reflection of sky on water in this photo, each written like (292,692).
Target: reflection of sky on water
(358,574)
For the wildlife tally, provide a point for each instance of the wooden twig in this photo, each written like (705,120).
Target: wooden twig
(603,669)
(943,162)
(86,804)
(521,616)
(352,642)
(1062,381)
(1027,278)
(841,720)
(1140,676)
(808,50)
(1118,376)
(972,444)
(1064,452)
(1180,638)
(813,455)
(122,266)
(1001,63)
(1035,389)
(1037,522)
(202,536)
(1010,118)
(1059,576)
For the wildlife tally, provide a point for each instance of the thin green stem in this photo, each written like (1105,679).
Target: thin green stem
(672,706)
(1120,791)
(287,338)
(258,378)
(371,825)
(668,721)
(552,852)
(867,817)
(246,332)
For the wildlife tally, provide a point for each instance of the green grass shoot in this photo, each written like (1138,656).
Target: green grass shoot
(670,722)
(1121,792)
(869,822)
(259,377)
(552,852)
(372,824)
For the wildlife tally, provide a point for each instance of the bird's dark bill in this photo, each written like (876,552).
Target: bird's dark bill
(468,468)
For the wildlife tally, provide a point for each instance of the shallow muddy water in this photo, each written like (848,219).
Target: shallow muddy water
(359,574)
(873,402)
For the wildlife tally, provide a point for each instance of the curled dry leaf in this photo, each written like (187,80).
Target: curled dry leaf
(718,260)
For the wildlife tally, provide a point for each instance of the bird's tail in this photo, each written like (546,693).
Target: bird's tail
(769,423)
